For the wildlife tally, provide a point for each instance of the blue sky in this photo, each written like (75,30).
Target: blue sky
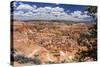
(48,11)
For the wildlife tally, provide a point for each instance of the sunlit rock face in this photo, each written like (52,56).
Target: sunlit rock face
(48,42)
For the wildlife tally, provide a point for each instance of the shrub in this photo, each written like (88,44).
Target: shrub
(22,59)
(91,44)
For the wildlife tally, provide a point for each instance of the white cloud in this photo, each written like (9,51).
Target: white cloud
(28,13)
(47,13)
(18,12)
(76,14)
(57,9)
(14,4)
(79,14)
(24,7)
(34,6)
(86,12)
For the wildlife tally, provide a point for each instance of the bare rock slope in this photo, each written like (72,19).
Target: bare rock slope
(45,42)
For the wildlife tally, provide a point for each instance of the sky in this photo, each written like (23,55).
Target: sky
(22,10)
